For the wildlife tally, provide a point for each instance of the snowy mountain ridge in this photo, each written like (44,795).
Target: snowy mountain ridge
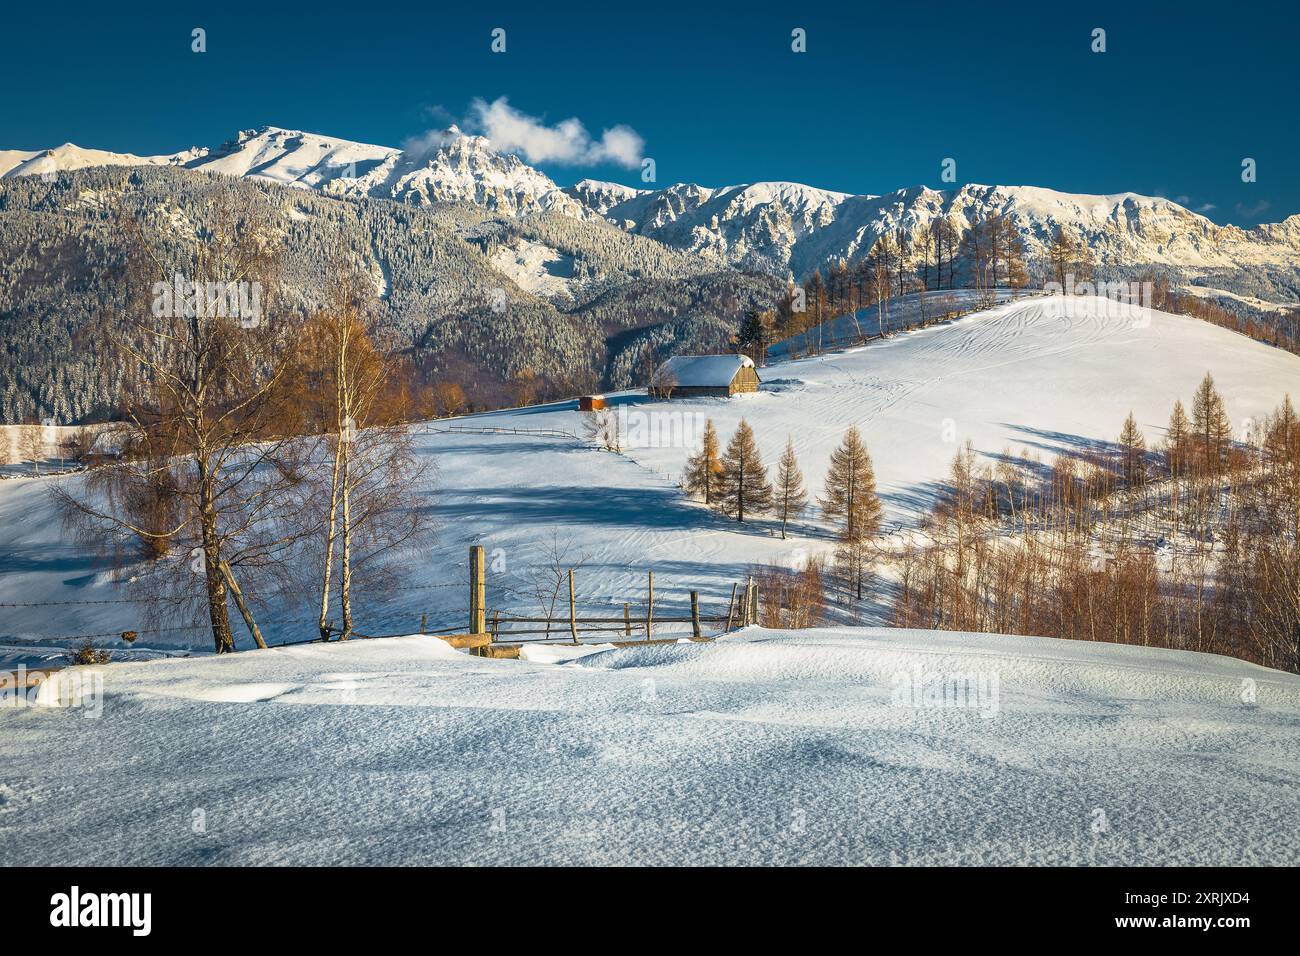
(782,228)
(457,168)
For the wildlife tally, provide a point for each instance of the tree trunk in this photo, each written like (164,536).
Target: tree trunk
(218,612)
(345,593)
(341,406)
(238,595)
(331,535)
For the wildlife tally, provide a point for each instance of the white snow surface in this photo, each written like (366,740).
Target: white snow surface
(763,747)
(69,156)
(787,747)
(536,268)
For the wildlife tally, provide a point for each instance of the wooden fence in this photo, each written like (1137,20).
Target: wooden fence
(498,430)
(502,629)
(502,626)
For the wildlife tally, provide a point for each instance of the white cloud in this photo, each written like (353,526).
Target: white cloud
(428,143)
(623,145)
(567,142)
(1249,211)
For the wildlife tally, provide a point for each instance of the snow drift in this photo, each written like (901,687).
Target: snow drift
(765,747)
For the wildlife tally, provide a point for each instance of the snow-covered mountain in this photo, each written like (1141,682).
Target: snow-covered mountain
(756,226)
(455,168)
(46,162)
(777,227)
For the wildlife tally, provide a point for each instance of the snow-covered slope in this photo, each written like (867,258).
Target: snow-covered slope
(1041,376)
(823,746)
(601,196)
(45,162)
(292,158)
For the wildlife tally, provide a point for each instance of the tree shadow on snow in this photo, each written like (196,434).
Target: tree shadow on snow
(1064,443)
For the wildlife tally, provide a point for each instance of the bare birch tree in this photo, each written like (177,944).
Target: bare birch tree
(367,446)
(202,402)
(31,445)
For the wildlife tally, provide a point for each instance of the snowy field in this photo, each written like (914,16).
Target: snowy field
(765,747)
(1039,376)
(852,328)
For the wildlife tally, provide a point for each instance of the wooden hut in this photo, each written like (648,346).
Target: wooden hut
(684,376)
(591,403)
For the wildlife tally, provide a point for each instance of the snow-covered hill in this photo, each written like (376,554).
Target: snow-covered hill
(834,746)
(1041,376)
(839,745)
(778,227)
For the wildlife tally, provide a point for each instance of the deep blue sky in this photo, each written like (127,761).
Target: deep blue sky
(885,92)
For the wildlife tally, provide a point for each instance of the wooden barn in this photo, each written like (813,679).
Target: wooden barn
(683,376)
(591,403)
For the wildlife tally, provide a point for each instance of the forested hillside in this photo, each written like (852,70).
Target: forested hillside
(447,304)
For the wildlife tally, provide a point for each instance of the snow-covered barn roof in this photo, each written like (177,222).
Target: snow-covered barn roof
(696,370)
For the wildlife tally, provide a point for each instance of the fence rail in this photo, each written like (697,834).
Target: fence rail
(498,430)
(511,626)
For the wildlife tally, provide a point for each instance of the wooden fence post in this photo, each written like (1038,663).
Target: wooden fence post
(627,620)
(496,624)
(753,613)
(477,590)
(695,614)
(573,621)
(731,608)
(650,607)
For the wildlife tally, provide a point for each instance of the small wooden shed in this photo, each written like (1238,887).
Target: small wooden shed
(591,403)
(684,376)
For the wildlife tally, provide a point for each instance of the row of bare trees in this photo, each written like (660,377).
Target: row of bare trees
(260,453)
(1192,545)
(987,253)
(792,597)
